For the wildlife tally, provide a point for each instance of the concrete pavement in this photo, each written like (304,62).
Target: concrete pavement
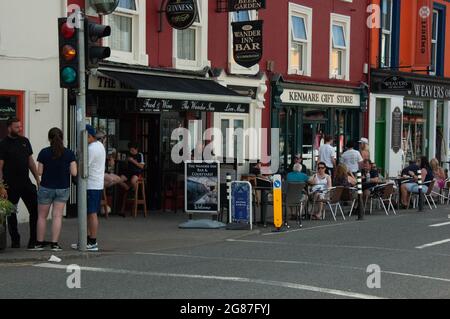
(118,235)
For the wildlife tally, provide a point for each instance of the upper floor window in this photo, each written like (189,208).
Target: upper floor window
(340,47)
(127,40)
(121,23)
(434,42)
(386,33)
(190,45)
(300,20)
(239,16)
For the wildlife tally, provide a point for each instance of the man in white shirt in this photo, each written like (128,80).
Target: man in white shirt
(327,155)
(95,185)
(352,158)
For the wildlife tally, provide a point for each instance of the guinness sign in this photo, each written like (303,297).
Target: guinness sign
(247,42)
(181,14)
(243,5)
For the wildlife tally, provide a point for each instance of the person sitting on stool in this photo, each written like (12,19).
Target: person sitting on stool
(135,168)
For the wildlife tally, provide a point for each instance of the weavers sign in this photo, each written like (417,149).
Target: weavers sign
(247,42)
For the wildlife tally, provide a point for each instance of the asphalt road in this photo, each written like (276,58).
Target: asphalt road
(322,260)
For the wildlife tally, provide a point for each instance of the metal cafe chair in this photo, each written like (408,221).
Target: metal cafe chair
(294,197)
(414,197)
(383,194)
(444,195)
(331,196)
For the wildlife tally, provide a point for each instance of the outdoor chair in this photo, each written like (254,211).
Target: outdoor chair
(414,197)
(350,194)
(294,197)
(444,194)
(331,197)
(383,194)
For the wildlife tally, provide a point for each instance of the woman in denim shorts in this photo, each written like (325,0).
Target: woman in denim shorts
(55,164)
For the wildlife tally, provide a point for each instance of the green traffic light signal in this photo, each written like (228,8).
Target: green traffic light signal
(68,75)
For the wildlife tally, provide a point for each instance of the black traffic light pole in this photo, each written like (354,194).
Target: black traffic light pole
(82,140)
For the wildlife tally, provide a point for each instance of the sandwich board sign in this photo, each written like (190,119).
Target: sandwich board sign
(241,214)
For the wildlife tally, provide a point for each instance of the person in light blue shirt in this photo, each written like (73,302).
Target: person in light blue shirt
(296,175)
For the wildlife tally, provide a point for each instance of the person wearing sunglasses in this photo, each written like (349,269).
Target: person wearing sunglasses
(321,181)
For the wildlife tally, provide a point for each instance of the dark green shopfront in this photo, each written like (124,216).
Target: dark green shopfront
(305,113)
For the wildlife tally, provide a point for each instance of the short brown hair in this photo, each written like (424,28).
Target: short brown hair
(11,121)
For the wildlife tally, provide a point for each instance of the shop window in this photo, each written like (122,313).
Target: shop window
(386,33)
(190,46)
(11,105)
(300,24)
(229,128)
(340,47)
(127,40)
(239,16)
(415,129)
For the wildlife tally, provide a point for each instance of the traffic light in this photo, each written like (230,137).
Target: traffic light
(68,55)
(94,52)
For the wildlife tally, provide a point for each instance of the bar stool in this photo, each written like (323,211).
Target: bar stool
(139,190)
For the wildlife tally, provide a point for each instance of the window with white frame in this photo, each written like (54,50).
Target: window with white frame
(239,16)
(127,40)
(340,47)
(190,45)
(300,23)
(434,42)
(233,138)
(386,33)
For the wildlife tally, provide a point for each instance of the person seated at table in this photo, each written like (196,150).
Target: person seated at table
(438,174)
(320,182)
(111,178)
(412,167)
(297,176)
(344,177)
(297,160)
(135,167)
(370,178)
(408,188)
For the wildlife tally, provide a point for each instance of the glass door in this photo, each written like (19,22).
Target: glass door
(313,138)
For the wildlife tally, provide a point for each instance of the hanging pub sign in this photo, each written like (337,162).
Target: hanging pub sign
(243,5)
(181,14)
(247,42)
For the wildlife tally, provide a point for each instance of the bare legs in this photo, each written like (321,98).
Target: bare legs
(92,224)
(57,213)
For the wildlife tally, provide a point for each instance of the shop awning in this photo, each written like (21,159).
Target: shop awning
(181,93)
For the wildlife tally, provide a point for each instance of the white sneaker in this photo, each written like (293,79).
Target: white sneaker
(89,247)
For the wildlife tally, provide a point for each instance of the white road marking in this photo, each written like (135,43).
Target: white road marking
(295,262)
(439,225)
(434,244)
(220,278)
(317,245)
(304,229)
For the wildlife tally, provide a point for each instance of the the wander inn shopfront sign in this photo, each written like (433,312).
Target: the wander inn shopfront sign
(247,42)
(320,98)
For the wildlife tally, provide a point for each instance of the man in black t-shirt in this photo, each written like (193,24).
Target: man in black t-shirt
(370,178)
(16,161)
(135,167)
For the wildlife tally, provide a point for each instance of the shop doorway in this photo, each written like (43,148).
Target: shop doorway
(380,134)
(313,138)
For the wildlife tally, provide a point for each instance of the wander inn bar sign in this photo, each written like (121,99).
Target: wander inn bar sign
(247,42)
(242,5)
(158,105)
(320,98)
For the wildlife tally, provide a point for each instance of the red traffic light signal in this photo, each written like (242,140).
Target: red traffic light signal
(68,55)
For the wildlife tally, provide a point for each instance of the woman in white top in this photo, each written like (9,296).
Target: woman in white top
(321,182)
